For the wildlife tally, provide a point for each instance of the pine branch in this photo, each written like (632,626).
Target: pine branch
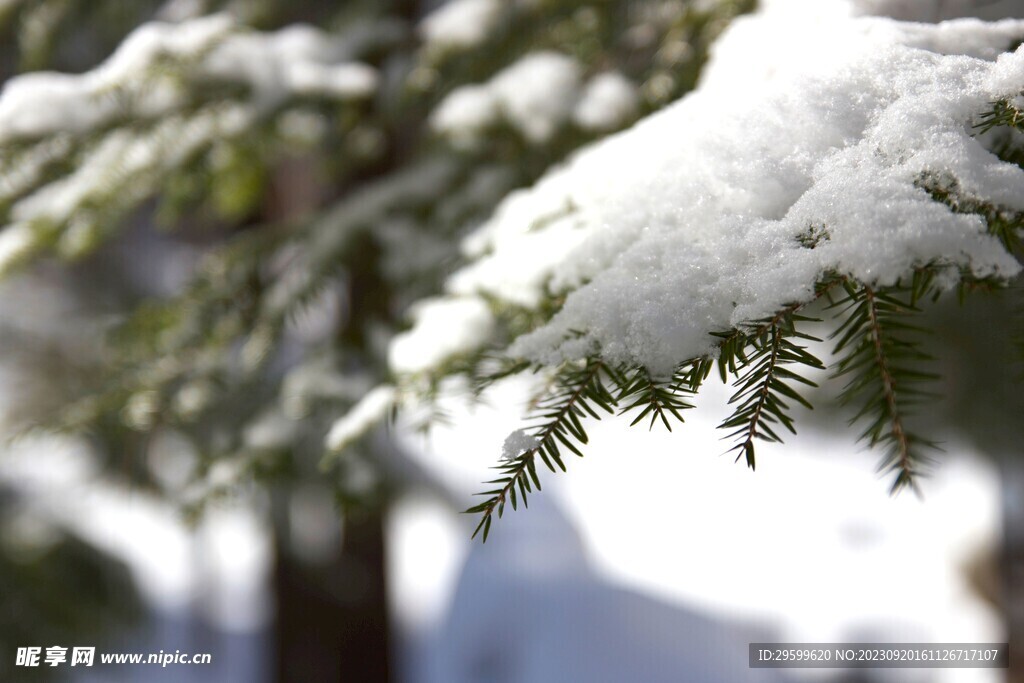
(882,358)
(1003,223)
(764,385)
(489,367)
(1002,114)
(658,398)
(579,392)
(767,382)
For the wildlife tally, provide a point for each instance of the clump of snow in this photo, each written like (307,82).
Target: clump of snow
(609,100)
(465,114)
(361,418)
(17,242)
(689,222)
(460,23)
(442,329)
(535,95)
(20,177)
(296,59)
(518,442)
(193,398)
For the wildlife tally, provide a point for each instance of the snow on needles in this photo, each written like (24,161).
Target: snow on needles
(517,443)
(689,222)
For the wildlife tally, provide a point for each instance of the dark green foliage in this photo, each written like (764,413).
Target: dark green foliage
(658,399)
(881,355)
(578,392)
(762,359)
(1003,114)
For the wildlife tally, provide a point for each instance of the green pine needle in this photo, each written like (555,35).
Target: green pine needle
(881,356)
(658,399)
(577,393)
(763,360)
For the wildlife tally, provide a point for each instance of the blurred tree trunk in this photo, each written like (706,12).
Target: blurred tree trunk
(332,621)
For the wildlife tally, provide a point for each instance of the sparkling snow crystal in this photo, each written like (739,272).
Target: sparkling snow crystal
(809,116)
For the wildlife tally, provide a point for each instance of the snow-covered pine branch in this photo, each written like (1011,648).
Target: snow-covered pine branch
(810,153)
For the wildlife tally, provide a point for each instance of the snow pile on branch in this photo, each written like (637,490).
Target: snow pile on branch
(460,23)
(370,410)
(517,443)
(609,100)
(295,60)
(444,328)
(536,96)
(809,120)
(17,243)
